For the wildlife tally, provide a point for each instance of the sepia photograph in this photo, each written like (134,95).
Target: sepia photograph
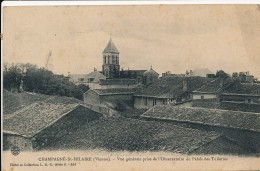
(130,86)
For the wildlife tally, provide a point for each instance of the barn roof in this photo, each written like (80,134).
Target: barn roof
(215,117)
(244,88)
(33,118)
(171,87)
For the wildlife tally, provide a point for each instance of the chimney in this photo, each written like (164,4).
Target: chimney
(185,86)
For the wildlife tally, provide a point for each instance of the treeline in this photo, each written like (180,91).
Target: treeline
(28,77)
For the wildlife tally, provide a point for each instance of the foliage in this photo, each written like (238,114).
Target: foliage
(40,80)
(222,74)
(12,77)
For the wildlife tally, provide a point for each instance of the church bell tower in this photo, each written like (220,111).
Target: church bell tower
(111,67)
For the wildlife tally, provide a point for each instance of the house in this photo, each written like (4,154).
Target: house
(167,90)
(242,96)
(208,96)
(242,127)
(91,79)
(42,122)
(109,101)
(98,96)
(212,90)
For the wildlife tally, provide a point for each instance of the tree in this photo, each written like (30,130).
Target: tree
(12,77)
(222,74)
(41,80)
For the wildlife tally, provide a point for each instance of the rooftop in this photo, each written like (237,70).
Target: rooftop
(171,86)
(33,118)
(16,101)
(244,88)
(111,47)
(135,135)
(215,117)
(215,86)
(92,77)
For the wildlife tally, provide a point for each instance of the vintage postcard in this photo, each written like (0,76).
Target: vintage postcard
(148,86)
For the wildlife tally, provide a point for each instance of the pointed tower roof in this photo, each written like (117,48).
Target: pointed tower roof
(111,47)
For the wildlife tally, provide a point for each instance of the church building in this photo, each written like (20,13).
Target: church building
(111,76)
(111,67)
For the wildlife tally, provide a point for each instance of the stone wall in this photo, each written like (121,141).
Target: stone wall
(11,140)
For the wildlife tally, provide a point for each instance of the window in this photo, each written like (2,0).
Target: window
(154,102)
(25,144)
(90,79)
(201,97)
(80,79)
(145,101)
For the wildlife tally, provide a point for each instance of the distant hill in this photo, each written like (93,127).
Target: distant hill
(202,72)
(15,101)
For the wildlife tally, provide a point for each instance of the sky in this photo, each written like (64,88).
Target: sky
(172,38)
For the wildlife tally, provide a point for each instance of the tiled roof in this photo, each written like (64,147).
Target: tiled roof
(215,86)
(95,76)
(215,117)
(171,86)
(244,88)
(115,91)
(111,47)
(136,135)
(35,117)
(16,101)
